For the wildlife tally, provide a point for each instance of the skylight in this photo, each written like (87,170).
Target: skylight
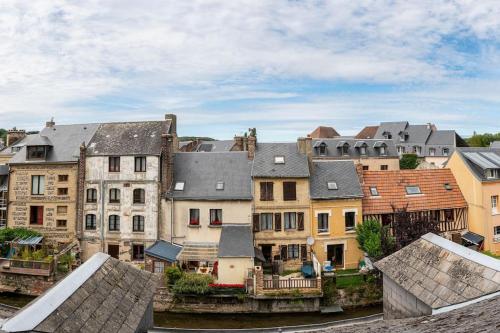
(374,191)
(279,159)
(179,186)
(413,190)
(332,186)
(219,186)
(447,186)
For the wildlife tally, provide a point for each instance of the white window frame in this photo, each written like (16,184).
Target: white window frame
(494,204)
(327,229)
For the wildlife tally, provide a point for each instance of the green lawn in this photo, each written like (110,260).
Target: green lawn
(488,253)
(344,281)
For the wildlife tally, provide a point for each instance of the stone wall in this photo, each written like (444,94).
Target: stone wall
(26,284)
(399,303)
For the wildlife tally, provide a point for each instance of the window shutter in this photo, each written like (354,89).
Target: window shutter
(303,251)
(277,222)
(289,191)
(256,222)
(283,252)
(270,191)
(263,191)
(39,215)
(300,222)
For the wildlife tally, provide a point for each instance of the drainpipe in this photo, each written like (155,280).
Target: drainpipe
(102,215)
(172,220)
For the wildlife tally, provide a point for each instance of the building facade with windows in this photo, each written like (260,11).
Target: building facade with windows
(281,219)
(125,164)
(477,171)
(43,181)
(335,211)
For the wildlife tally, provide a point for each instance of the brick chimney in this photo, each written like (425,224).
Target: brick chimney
(173,130)
(167,162)
(239,143)
(50,123)
(304,146)
(251,146)
(80,185)
(14,135)
(359,171)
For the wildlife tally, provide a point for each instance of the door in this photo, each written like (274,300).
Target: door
(335,254)
(114,250)
(267,251)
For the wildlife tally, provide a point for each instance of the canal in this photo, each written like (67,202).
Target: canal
(228,321)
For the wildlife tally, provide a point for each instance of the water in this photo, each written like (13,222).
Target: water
(227,321)
(16,300)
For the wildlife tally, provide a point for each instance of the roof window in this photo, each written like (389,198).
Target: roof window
(179,186)
(279,159)
(413,190)
(374,191)
(447,187)
(219,186)
(332,186)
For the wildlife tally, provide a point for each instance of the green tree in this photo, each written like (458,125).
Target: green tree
(3,135)
(375,239)
(408,161)
(482,140)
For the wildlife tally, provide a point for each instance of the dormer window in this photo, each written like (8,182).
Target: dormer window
(332,186)
(322,149)
(344,147)
(417,150)
(492,173)
(432,151)
(219,186)
(279,159)
(15,149)
(403,136)
(361,145)
(446,151)
(37,152)
(412,190)
(362,150)
(387,135)
(179,186)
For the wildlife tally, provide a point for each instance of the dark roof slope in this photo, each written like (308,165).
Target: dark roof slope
(164,250)
(324,132)
(333,148)
(476,158)
(367,133)
(236,241)
(129,138)
(296,164)
(200,173)
(216,146)
(343,173)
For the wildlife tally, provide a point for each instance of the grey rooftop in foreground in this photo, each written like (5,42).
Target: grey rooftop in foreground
(295,164)
(102,295)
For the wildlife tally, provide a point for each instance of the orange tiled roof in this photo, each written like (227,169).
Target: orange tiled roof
(324,132)
(391,186)
(367,133)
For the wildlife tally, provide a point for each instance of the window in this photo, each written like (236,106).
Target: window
(350,221)
(194,216)
(417,150)
(401,150)
(382,150)
(139,196)
(496,230)
(114,164)
(322,149)
(289,191)
(215,216)
(37,185)
(140,164)
(219,186)
(493,173)
(36,152)
(290,220)
(432,151)
(138,252)
(62,210)
(62,178)
(323,222)
(36,215)
(332,186)
(362,150)
(91,195)
(384,167)
(494,204)
(138,223)
(446,151)
(448,215)
(62,191)
(411,190)
(374,191)
(114,223)
(266,191)
(345,149)
(90,223)
(266,221)
(366,167)
(158,266)
(61,223)
(179,186)
(447,187)
(114,195)
(293,251)
(279,159)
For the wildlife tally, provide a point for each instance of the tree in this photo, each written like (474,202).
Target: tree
(408,161)
(3,135)
(375,239)
(482,140)
(410,226)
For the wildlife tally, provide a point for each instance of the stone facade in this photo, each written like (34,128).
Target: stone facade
(400,303)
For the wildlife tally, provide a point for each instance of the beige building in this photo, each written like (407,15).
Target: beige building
(281,219)
(44,174)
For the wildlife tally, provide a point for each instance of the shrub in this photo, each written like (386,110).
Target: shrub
(374,239)
(408,161)
(39,254)
(193,284)
(172,275)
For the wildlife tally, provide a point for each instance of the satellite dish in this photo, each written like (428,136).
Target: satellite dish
(310,241)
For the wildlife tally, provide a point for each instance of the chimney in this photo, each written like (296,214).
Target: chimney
(50,123)
(167,162)
(15,135)
(238,143)
(80,190)
(251,146)
(359,171)
(173,125)
(305,146)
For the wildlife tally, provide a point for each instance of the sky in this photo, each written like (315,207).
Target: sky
(284,67)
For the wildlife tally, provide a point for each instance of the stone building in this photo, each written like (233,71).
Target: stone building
(434,275)
(43,180)
(125,166)
(281,219)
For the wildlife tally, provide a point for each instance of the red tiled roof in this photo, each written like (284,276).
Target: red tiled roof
(367,133)
(324,132)
(391,186)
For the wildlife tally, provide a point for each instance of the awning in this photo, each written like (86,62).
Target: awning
(379,144)
(473,238)
(164,250)
(199,252)
(35,240)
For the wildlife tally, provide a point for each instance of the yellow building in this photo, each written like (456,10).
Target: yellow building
(43,180)
(477,171)
(281,219)
(335,211)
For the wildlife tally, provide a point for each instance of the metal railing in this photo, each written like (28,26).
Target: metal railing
(290,283)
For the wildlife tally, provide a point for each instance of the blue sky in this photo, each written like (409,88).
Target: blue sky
(284,67)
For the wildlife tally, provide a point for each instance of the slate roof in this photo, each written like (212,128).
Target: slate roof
(164,250)
(102,295)
(128,138)
(343,173)
(296,164)
(324,132)
(441,273)
(333,148)
(367,133)
(391,186)
(18,143)
(64,139)
(236,241)
(467,154)
(215,146)
(495,144)
(202,171)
